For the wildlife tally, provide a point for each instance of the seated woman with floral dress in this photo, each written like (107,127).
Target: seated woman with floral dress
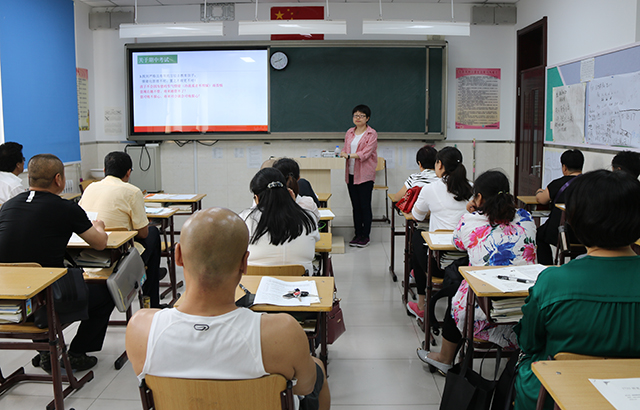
(495,233)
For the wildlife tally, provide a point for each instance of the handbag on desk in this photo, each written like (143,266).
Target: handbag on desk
(405,204)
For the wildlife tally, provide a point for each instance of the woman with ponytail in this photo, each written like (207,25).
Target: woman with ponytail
(446,200)
(281,232)
(495,233)
(304,195)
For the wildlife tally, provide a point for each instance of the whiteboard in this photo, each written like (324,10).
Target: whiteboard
(614,111)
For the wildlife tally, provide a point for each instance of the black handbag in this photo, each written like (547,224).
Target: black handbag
(504,394)
(465,389)
(70,299)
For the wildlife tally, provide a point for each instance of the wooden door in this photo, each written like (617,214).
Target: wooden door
(530,148)
(531,63)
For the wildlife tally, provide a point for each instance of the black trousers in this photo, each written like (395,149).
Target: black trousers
(450,331)
(151,258)
(360,196)
(91,332)
(419,255)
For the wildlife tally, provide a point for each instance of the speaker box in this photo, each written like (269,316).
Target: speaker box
(505,15)
(482,15)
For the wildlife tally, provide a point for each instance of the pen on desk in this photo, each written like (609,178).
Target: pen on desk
(516,279)
(243,288)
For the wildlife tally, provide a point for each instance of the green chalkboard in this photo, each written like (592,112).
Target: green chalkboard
(320,86)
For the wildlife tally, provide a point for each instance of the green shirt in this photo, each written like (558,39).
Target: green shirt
(589,306)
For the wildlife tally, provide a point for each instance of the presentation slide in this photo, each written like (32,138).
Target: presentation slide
(200,91)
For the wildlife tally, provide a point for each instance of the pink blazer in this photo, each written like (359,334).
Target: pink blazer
(365,167)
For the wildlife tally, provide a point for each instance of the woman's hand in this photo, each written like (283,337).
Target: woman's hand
(293,194)
(343,155)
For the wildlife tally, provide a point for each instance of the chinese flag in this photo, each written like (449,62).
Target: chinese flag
(297,13)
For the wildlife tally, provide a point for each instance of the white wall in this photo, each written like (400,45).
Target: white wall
(226,180)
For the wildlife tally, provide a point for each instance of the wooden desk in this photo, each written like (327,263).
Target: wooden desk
(568,380)
(21,283)
(166,224)
(115,240)
(323,247)
(409,228)
(432,255)
(195,202)
(323,198)
(481,289)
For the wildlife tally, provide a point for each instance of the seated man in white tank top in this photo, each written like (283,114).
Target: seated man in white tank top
(207,336)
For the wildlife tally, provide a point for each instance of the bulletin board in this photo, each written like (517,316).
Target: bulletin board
(595,101)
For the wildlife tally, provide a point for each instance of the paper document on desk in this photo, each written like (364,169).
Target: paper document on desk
(77,240)
(157,211)
(326,213)
(271,292)
(158,197)
(182,197)
(441,238)
(526,272)
(623,394)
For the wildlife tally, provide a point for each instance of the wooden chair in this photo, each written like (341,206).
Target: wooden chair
(542,395)
(382,166)
(22,264)
(272,392)
(86,182)
(276,270)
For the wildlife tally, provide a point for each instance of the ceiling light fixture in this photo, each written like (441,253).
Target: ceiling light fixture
(191,29)
(415,27)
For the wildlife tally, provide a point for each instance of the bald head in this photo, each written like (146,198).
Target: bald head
(43,169)
(213,244)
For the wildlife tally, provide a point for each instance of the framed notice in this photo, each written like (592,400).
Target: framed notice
(478,98)
(82,78)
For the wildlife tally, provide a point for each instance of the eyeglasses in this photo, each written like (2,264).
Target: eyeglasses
(359,116)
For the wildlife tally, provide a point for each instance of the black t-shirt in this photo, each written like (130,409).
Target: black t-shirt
(35,226)
(305,189)
(551,233)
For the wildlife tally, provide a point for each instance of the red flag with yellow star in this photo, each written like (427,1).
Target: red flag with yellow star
(297,13)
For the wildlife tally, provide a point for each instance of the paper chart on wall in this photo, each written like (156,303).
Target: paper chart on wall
(614,111)
(389,154)
(568,113)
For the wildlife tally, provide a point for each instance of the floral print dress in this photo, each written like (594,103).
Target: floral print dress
(486,245)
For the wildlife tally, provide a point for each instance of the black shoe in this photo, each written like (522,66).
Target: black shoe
(80,361)
(162,273)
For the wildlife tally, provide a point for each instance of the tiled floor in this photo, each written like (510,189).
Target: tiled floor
(372,366)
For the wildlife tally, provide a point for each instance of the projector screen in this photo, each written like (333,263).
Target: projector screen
(178,91)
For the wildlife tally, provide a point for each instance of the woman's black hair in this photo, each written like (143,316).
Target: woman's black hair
(291,171)
(497,203)
(281,217)
(426,157)
(363,109)
(455,174)
(602,209)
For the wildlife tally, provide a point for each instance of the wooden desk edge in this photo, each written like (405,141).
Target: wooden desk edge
(197,198)
(53,275)
(427,238)
(487,290)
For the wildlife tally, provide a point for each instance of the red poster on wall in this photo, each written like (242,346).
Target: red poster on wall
(297,13)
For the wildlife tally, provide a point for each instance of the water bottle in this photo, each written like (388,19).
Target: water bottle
(337,151)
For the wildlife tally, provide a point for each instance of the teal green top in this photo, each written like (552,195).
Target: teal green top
(588,306)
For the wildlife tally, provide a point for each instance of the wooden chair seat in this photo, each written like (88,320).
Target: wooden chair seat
(271,392)
(384,187)
(23,329)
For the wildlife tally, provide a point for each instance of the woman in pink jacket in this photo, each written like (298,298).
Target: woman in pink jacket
(361,152)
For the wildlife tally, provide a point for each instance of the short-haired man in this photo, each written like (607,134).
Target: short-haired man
(35,226)
(572,161)
(627,161)
(121,206)
(11,165)
(207,336)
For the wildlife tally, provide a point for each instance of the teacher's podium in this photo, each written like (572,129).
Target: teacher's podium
(318,172)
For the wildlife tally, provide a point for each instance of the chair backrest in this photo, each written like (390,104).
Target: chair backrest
(271,392)
(22,264)
(381,164)
(276,270)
